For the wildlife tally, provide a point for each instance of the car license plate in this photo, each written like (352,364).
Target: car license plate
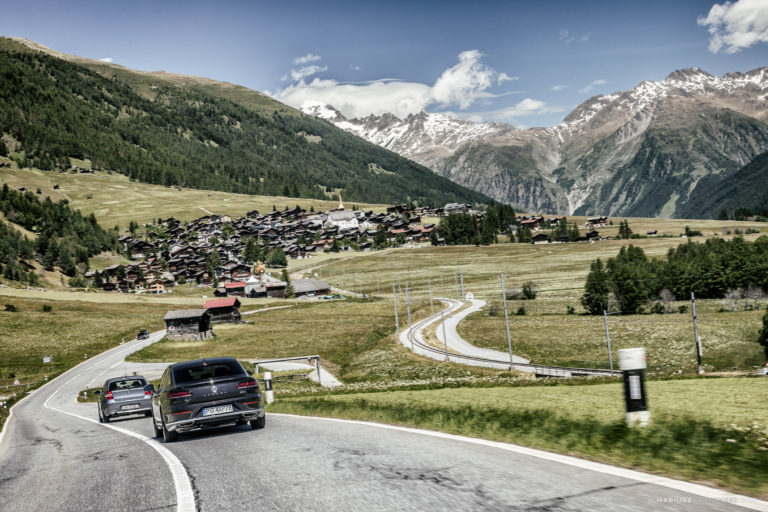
(219,409)
(133,406)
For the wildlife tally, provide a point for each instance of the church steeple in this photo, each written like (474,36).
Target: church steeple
(341,205)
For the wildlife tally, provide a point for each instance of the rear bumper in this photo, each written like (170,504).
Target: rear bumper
(117,410)
(212,421)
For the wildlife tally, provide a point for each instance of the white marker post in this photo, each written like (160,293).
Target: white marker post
(632,365)
(268,387)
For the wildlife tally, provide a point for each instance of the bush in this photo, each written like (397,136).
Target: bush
(11,308)
(571,310)
(47,308)
(520,311)
(77,282)
(683,309)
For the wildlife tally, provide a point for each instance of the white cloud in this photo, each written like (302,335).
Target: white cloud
(306,71)
(734,26)
(355,67)
(559,87)
(306,59)
(524,108)
(462,85)
(592,85)
(106,59)
(566,37)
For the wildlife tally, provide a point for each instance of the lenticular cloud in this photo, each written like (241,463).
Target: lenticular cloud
(460,85)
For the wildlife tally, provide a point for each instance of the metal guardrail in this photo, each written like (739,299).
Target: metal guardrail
(315,358)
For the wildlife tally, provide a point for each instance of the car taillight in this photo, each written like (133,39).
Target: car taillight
(147,393)
(179,394)
(247,384)
(109,395)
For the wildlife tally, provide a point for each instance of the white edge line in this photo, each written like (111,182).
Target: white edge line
(691,488)
(185,497)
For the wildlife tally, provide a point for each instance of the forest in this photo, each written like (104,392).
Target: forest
(65,238)
(717,268)
(52,110)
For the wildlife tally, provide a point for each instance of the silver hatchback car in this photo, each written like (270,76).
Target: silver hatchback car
(122,396)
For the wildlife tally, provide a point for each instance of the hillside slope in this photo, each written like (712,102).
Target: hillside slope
(183,131)
(651,151)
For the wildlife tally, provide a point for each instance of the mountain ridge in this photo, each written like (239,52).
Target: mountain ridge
(636,152)
(180,133)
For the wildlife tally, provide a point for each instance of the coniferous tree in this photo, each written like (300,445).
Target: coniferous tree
(596,290)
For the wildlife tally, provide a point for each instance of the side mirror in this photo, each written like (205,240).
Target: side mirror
(97,392)
(149,387)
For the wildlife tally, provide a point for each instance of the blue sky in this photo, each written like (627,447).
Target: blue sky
(528,63)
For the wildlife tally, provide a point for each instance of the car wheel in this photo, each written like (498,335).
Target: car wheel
(105,418)
(158,431)
(168,436)
(259,423)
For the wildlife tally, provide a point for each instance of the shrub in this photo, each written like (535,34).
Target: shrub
(520,311)
(683,309)
(47,308)
(11,308)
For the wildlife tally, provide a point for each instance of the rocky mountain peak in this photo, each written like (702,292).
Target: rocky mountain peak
(684,75)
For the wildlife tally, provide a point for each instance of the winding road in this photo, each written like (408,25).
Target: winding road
(55,456)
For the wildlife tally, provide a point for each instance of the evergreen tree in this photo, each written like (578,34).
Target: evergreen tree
(763,338)
(251,251)
(289,293)
(276,258)
(596,290)
(380,238)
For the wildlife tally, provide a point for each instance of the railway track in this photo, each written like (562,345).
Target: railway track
(413,339)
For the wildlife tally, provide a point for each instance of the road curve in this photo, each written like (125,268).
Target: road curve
(55,457)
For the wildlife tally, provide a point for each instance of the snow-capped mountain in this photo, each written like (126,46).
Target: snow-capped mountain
(425,138)
(659,149)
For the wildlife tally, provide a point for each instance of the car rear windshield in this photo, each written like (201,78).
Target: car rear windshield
(126,384)
(207,371)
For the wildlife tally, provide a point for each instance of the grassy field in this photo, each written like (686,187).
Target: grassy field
(710,430)
(547,334)
(115,200)
(354,339)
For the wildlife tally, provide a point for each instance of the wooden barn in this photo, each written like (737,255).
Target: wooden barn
(223,310)
(188,324)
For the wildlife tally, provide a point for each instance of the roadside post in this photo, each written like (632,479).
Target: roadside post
(268,387)
(632,364)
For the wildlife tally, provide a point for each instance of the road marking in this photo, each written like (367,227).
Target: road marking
(185,497)
(699,490)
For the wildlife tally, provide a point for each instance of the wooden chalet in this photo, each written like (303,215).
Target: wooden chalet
(188,324)
(235,288)
(223,310)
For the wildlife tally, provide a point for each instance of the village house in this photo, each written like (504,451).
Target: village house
(188,324)
(223,310)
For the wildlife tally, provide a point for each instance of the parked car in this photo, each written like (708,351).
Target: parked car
(143,334)
(123,396)
(205,393)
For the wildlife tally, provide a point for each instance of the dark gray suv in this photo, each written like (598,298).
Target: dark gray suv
(205,393)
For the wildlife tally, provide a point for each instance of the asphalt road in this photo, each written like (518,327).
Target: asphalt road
(55,457)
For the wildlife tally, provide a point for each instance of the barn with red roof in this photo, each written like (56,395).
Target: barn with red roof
(223,310)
